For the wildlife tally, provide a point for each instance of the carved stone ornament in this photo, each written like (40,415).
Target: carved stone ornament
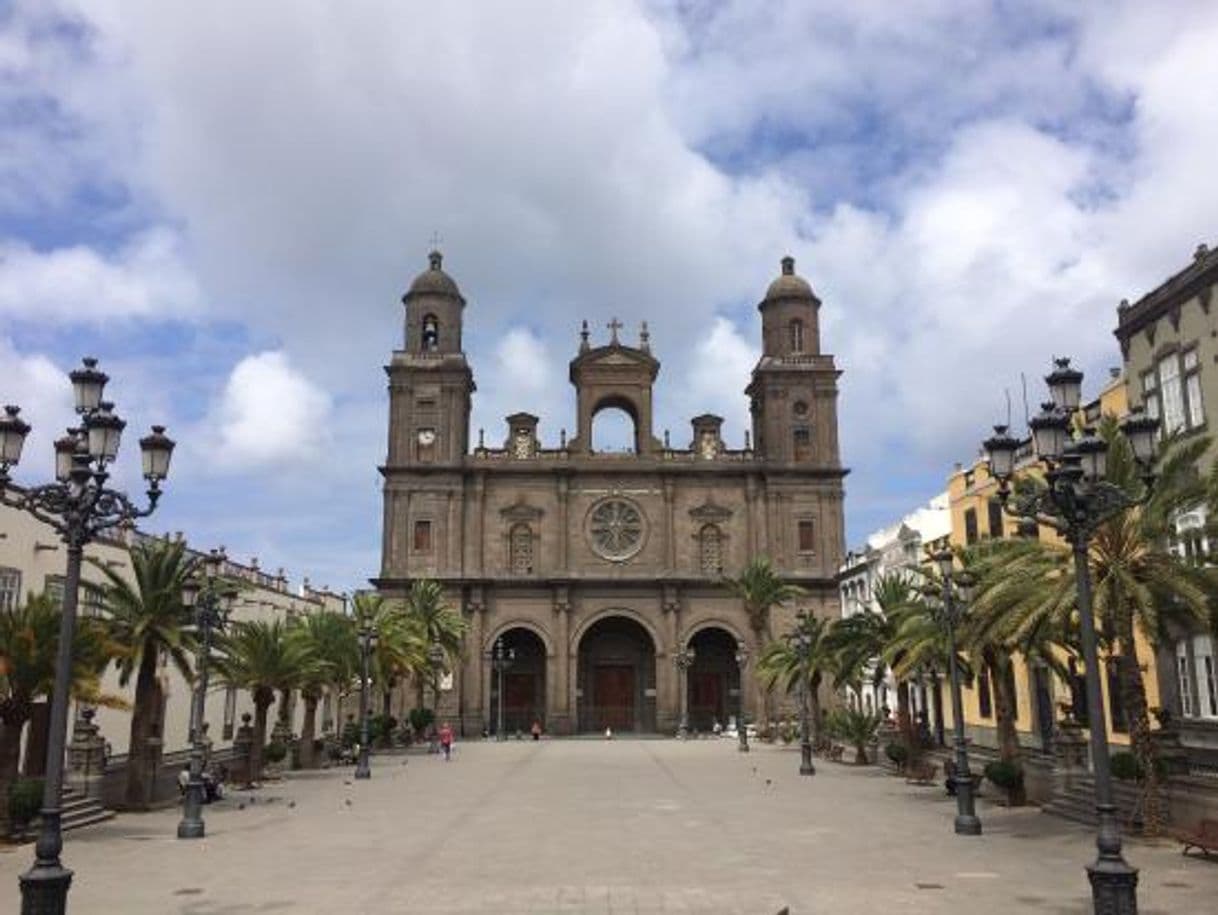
(710,513)
(616,529)
(521,511)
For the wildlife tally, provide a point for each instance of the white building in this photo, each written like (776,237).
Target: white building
(899,546)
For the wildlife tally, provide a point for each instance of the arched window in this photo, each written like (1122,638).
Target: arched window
(431,334)
(520,547)
(710,549)
(802,440)
(797,336)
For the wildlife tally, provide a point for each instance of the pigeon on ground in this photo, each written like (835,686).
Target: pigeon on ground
(291,804)
(347,802)
(240,806)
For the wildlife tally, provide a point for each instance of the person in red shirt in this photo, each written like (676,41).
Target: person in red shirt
(446,741)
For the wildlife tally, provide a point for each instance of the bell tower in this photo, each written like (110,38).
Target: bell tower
(430,391)
(793,393)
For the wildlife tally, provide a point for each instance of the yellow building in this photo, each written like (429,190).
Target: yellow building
(977,514)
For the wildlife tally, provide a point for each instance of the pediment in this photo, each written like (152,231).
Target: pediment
(521,511)
(710,513)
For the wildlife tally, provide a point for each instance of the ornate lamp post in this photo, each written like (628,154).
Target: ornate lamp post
(684,659)
(967,823)
(435,657)
(211,608)
(1075,501)
(501,660)
(742,732)
(79,506)
(367,644)
(801,643)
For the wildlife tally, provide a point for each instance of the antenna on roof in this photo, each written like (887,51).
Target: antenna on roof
(1027,414)
(1007,393)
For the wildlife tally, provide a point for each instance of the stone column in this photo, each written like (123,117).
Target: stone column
(558,668)
(750,519)
(668,693)
(670,525)
(563,533)
(474,670)
(1069,754)
(86,752)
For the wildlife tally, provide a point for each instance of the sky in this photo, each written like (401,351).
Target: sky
(224,201)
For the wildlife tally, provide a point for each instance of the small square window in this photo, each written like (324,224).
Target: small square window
(1148,381)
(1190,359)
(422,536)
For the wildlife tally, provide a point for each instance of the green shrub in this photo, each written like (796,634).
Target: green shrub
(24,801)
(897,752)
(275,752)
(380,727)
(421,719)
(1005,774)
(1126,767)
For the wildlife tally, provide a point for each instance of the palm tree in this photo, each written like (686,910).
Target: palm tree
(147,620)
(438,625)
(401,647)
(1139,586)
(29,643)
(258,656)
(781,666)
(760,589)
(330,640)
(867,641)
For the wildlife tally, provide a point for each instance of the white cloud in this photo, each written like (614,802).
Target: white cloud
(41,389)
(145,279)
(720,371)
(270,415)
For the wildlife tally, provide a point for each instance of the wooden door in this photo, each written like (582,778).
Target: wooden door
(519,702)
(705,700)
(613,697)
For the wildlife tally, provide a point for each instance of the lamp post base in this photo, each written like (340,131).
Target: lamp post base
(362,769)
(967,824)
(805,760)
(1114,887)
(191,829)
(44,890)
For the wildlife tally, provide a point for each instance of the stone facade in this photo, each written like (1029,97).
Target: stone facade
(596,567)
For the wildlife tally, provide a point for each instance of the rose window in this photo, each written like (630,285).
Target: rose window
(616,529)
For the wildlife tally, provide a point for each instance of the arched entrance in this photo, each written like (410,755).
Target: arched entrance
(524,683)
(616,683)
(714,679)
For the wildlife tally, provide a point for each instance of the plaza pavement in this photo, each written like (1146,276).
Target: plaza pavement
(589,826)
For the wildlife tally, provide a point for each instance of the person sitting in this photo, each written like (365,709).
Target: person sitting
(536,730)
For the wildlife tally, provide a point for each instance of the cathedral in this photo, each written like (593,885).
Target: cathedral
(599,575)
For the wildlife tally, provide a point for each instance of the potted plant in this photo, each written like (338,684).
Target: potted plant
(1007,775)
(898,753)
(24,802)
(273,757)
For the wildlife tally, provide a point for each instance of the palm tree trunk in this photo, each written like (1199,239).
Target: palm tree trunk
(764,638)
(11,726)
(146,700)
(1133,694)
(307,729)
(1004,722)
(814,709)
(262,705)
(905,718)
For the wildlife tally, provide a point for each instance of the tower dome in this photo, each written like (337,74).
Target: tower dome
(434,281)
(789,284)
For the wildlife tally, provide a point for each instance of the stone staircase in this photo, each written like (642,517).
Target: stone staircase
(80,811)
(1077,802)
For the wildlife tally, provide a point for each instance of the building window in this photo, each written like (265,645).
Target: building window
(520,545)
(797,336)
(1172,391)
(807,537)
(230,711)
(1116,700)
(803,443)
(1184,680)
(92,599)
(431,334)
(970,526)
(10,588)
(985,701)
(710,549)
(53,588)
(422,536)
(994,506)
(1028,529)
(1207,676)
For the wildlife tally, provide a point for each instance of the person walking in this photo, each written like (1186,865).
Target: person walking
(536,731)
(446,740)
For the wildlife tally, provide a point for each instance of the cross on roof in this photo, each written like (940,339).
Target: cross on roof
(614,326)
(435,240)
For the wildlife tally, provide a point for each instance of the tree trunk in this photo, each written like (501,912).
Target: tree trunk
(1004,722)
(11,726)
(147,697)
(764,638)
(262,705)
(418,692)
(308,759)
(905,719)
(814,710)
(1133,694)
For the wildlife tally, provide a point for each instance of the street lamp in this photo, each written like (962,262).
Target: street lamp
(801,643)
(367,644)
(1075,501)
(211,607)
(967,823)
(435,657)
(684,659)
(501,660)
(79,507)
(742,661)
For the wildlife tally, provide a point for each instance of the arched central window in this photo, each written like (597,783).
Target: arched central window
(797,336)
(710,549)
(520,547)
(613,430)
(431,334)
